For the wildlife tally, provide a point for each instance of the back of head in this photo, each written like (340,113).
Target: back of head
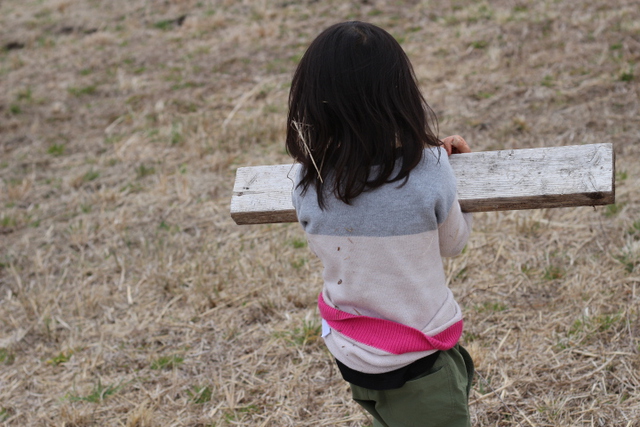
(355,103)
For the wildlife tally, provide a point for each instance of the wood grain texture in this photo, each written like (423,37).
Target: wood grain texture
(531,178)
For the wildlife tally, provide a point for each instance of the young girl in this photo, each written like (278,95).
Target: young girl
(376,196)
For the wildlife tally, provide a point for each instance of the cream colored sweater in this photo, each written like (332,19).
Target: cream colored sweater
(382,256)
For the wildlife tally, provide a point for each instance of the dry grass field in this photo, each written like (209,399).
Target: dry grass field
(128,296)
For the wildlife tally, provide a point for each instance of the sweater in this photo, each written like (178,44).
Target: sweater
(382,257)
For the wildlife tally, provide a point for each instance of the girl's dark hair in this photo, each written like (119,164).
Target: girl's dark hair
(354,103)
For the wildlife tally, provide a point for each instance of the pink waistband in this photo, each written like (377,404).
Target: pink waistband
(387,335)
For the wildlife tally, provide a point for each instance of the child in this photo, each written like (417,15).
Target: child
(376,196)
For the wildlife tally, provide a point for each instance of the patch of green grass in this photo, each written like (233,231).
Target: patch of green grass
(550,410)
(24,95)
(43,13)
(132,188)
(613,209)
(621,175)
(296,57)
(15,109)
(484,385)
(169,227)
(164,25)
(167,362)
(199,395)
(604,322)
(629,261)
(176,135)
(235,416)
(461,274)
(4,414)
(527,270)
(483,12)
(547,81)
(553,272)
(248,409)
(56,149)
(298,243)
(167,24)
(97,395)
(635,228)
(8,221)
(6,357)
(276,65)
(309,333)
(577,328)
(85,90)
(299,263)
(152,133)
(483,95)
(451,21)
(111,139)
(186,85)
(469,336)
(62,357)
(520,124)
(142,171)
(91,175)
(479,44)
(586,327)
(491,307)
(186,107)
(626,76)
(45,42)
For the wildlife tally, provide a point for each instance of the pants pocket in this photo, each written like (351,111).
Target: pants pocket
(436,399)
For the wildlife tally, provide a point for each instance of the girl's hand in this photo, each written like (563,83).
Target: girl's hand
(455,144)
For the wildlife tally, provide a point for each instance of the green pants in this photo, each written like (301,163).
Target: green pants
(438,398)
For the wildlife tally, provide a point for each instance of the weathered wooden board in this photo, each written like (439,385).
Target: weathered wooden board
(262,194)
(577,175)
(531,178)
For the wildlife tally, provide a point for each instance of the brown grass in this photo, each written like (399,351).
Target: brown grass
(128,297)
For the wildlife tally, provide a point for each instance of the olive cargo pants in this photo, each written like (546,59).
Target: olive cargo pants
(438,398)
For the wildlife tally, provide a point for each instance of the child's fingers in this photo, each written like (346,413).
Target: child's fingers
(446,143)
(459,145)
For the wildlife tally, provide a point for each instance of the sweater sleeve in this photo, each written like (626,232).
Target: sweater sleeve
(454,232)
(454,227)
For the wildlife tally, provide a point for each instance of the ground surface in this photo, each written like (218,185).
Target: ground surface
(128,297)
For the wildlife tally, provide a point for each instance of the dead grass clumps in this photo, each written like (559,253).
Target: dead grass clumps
(129,297)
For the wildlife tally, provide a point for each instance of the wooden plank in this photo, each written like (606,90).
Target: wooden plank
(262,194)
(532,178)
